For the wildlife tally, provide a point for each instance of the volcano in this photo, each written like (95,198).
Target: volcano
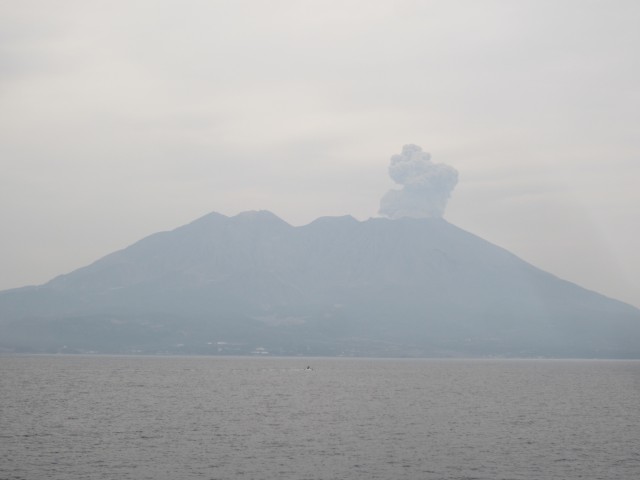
(253,284)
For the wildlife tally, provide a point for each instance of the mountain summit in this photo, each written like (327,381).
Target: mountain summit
(337,286)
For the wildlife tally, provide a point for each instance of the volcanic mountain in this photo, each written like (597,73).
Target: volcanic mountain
(254,284)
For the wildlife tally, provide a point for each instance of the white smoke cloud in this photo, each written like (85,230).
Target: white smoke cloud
(426,185)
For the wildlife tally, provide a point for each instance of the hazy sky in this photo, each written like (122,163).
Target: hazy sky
(122,118)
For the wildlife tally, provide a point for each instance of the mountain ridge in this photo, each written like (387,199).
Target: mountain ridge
(336,286)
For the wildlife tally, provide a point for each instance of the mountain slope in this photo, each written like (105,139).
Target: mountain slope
(335,286)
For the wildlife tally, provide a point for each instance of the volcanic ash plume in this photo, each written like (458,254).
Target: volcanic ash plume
(426,185)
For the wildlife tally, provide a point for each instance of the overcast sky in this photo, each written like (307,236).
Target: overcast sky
(119,119)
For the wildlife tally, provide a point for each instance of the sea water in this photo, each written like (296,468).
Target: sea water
(100,417)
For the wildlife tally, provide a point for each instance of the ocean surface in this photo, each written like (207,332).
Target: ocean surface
(104,417)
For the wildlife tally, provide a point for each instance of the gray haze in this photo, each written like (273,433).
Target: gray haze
(119,119)
(426,185)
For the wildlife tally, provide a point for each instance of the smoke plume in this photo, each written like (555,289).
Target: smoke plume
(426,185)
